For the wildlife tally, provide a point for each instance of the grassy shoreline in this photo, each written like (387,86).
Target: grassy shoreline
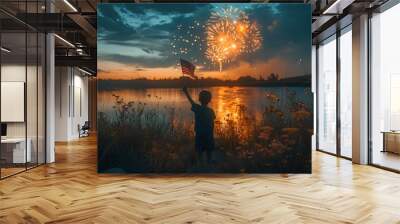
(143,139)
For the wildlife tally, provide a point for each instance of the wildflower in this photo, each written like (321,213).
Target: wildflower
(265,132)
(301,114)
(276,145)
(272,97)
(279,114)
(290,131)
(264,135)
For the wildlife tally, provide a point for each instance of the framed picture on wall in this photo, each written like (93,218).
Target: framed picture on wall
(12,101)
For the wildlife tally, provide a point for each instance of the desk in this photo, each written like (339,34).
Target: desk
(391,141)
(13,150)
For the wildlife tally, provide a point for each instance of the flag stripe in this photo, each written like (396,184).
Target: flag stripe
(188,68)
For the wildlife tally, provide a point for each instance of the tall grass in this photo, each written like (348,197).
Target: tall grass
(144,138)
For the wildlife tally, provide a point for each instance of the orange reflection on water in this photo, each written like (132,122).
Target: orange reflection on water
(232,104)
(227,103)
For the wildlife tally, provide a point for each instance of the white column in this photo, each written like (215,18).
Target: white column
(360,90)
(50,99)
(50,92)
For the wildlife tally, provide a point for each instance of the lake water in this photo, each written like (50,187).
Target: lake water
(225,100)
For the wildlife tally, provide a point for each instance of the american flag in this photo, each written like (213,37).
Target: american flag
(188,68)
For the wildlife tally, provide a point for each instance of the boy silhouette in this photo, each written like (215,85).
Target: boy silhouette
(203,124)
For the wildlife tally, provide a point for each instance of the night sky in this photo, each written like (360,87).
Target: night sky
(144,40)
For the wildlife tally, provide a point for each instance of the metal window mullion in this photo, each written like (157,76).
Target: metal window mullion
(45,94)
(73,92)
(317,96)
(338,95)
(69,92)
(0,92)
(26,86)
(37,91)
(369,79)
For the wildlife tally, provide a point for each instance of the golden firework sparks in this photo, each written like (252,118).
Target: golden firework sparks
(222,43)
(230,34)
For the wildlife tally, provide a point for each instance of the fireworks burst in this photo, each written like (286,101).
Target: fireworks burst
(230,34)
(186,41)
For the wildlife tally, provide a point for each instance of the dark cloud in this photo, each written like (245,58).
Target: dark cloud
(113,19)
(163,9)
(138,60)
(150,38)
(111,25)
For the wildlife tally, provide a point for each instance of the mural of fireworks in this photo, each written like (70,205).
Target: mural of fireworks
(229,34)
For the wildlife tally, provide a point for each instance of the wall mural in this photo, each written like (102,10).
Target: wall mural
(204,88)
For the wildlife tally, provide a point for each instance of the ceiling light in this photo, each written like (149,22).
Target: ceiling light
(79,51)
(327,11)
(84,71)
(65,41)
(5,50)
(70,5)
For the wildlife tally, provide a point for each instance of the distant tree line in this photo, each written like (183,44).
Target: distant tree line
(272,80)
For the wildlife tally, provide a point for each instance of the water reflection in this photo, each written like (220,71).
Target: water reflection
(225,100)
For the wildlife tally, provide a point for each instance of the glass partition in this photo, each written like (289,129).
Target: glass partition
(31,98)
(22,77)
(13,94)
(41,96)
(385,89)
(327,96)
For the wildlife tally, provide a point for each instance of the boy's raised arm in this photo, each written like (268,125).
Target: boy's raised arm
(187,95)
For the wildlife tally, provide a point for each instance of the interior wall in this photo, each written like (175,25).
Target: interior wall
(92,89)
(71,102)
(61,103)
(314,90)
(80,109)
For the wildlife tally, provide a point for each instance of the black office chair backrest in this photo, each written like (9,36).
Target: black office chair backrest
(86,125)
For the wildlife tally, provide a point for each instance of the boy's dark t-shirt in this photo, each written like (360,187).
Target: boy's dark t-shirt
(204,126)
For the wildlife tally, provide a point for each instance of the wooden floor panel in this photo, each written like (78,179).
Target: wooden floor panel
(70,191)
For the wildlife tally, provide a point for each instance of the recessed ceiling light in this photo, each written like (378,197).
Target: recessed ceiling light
(328,10)
(65,41)
(70,5)
(84,71)
(5,50)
